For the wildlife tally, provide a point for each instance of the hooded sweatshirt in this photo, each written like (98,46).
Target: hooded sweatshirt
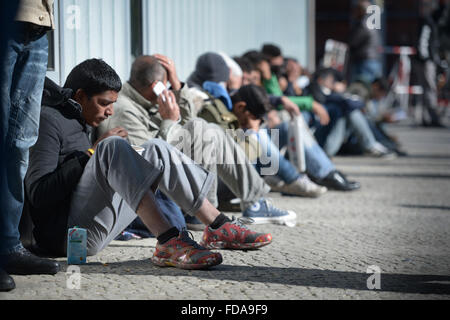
(56,164)
(210,66)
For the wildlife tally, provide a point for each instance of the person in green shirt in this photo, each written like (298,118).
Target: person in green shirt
(292,104)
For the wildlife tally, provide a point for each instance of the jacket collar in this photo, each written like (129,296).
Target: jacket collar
(132,93)
(60,98)
(54,95)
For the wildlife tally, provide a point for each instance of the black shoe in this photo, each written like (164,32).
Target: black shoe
(24,262)
(438,125)
(434,124)
(6,282)
(337,181)
(401,153)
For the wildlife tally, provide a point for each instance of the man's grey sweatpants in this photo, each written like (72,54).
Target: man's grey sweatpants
(116,178)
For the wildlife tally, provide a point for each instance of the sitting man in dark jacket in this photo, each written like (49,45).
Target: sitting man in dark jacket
(346,117)
(102,187)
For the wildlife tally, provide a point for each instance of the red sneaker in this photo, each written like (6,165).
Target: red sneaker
(234,235)
(184,253)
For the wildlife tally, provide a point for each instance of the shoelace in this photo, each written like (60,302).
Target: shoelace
(241,222)
(271,207)
(188,237)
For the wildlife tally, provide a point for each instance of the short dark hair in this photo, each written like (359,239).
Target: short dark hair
(256,99)
(93,76)
(324,73)
(255,57)
(245,64)
(271,50)
(145,70)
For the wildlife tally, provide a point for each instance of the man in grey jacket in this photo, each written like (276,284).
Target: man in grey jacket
(137,110)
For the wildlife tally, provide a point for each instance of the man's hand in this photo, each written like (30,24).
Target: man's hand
(253,124)
(273,120)
(293,71)
(340,87)
(264,68)
(290,106)
(168,107)
(169,65)
(321,112)
(119,131)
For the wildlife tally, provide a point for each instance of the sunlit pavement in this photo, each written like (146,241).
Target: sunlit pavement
(390,240)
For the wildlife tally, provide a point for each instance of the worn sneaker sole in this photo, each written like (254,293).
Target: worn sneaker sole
(289,220)
(235,246)
(163,262)
(310,194)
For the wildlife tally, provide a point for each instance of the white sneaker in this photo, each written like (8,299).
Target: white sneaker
(274,183)
(380,151)
(303,187)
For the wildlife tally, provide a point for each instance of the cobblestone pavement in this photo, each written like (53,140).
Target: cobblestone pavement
(399,221)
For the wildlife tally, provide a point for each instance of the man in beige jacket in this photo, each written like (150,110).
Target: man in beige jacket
(22,74)
(138,112)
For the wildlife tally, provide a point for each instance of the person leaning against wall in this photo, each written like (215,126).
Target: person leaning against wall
(22,81)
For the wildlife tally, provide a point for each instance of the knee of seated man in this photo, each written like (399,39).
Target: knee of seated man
(93,250)
(156,142)
(113,143)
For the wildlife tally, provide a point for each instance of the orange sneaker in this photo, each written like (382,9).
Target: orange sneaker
(184,253)
(234,235)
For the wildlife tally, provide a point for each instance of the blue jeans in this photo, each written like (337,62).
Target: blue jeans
(332,136)
(170,210)
(286,170)
(318,165)
(22,81)
(366,70)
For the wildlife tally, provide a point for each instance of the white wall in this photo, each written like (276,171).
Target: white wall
(181,29)
(94,29)
(184,29)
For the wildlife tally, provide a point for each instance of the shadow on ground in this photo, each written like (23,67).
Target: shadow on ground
(420,206)
(403,283)
(402,175)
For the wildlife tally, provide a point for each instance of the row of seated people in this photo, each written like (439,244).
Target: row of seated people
(84,169)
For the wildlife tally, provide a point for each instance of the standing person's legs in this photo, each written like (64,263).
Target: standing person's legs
(23,74)
(8,11)
(366,70)
(430,116)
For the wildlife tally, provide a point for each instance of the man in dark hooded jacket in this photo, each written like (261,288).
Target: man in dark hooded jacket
(104,186)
